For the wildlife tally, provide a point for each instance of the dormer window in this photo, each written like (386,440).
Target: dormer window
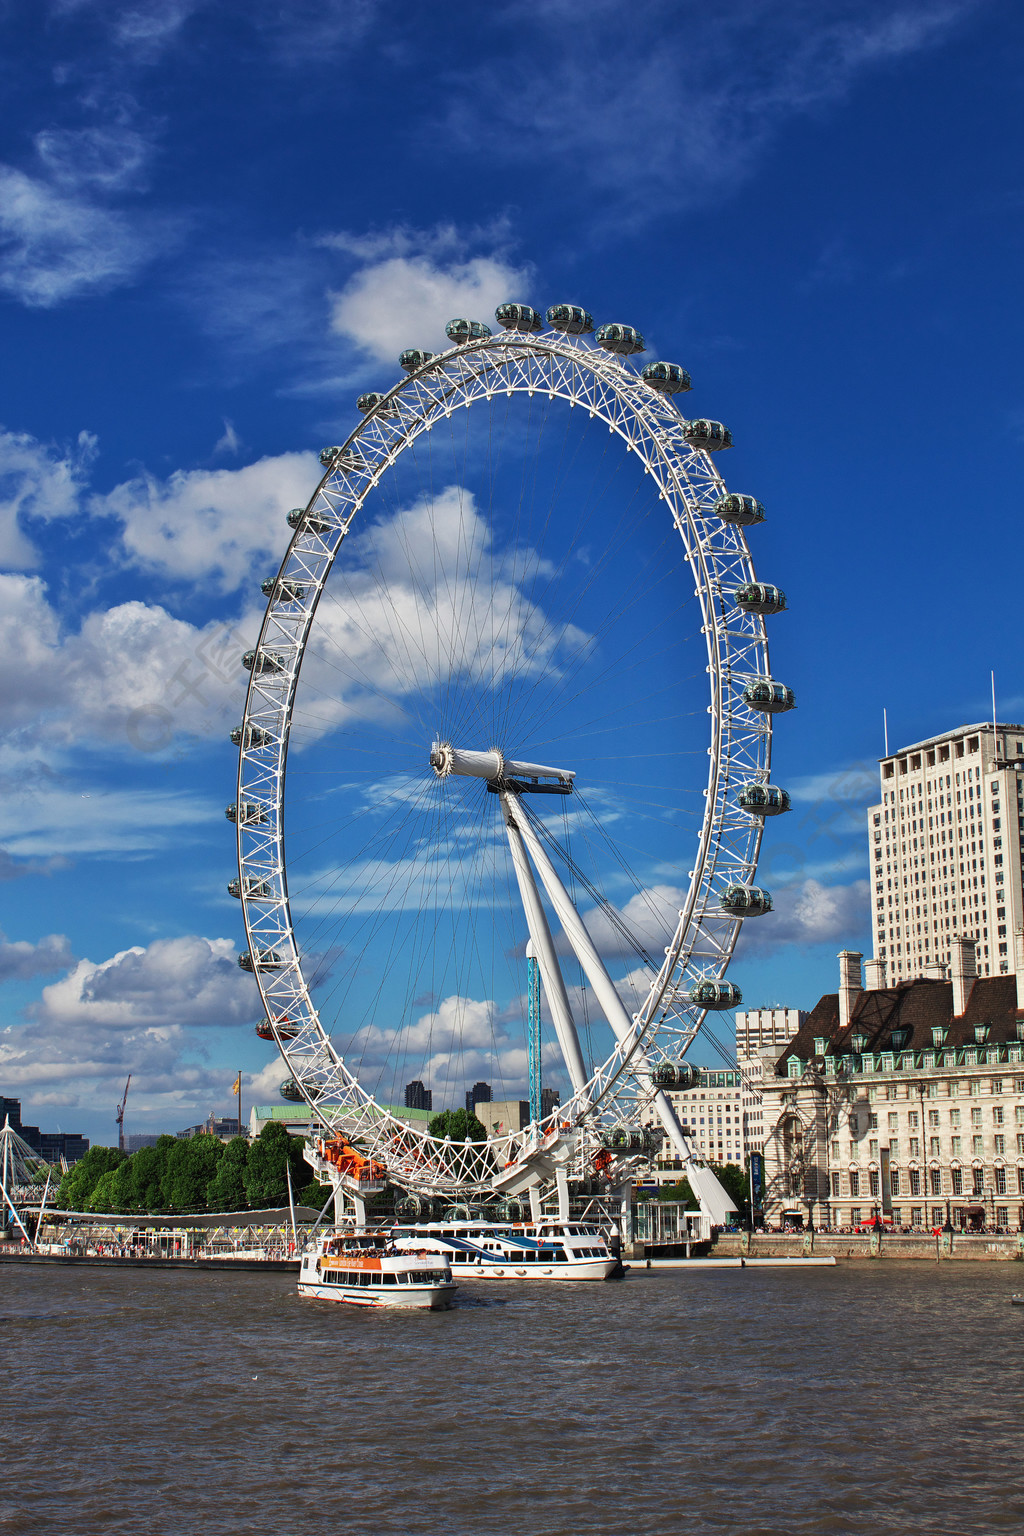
(938,1036)
(858,1042)
(900,1038)
(981,1033)
(819,1045)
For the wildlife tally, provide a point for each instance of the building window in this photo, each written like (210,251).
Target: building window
(873,1183)
(915,1181)
(855,1215)
(977,1145)
(894,1181)
(1000,1144)
(935,1178)
(1020,1181)
(854,1184)
(979,1181)
(835,1186)
(1000,1181)
(958,1180)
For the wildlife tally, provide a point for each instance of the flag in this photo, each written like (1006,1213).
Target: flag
(236,1086)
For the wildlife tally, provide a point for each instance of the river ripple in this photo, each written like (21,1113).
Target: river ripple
(861,1399)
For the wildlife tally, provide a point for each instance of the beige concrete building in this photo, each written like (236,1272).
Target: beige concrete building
(945,851)
(905,1101)
(762,1034)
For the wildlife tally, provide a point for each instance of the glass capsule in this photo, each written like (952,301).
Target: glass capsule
(622,339)
(709,435)
(745,901)
(518,317)
(763,800)
(759,597)
(769,697)
(461,331)
(570,319)
(413,358)
(742,510)
(716,995)
(310,522)
(666,378)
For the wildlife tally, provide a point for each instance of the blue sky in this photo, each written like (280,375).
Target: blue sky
(220,223)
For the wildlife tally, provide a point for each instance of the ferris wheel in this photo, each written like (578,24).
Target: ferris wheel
(512,691)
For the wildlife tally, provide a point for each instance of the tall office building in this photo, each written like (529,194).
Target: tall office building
(945,850)
(418,1097)
(480,1093)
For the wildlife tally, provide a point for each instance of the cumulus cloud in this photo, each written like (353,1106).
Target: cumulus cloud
(37,481)
(131,675)
(808,913)
(459,1042)
(407,300)
(20,960)
(172,982)
(211,526)
(651,916)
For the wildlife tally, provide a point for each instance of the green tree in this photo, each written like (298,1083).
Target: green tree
(732,1179)
(191,1165)
(103,1197)
(227,1188)
(82,1177)
(148,1173)
(458,1124)
(273,1150)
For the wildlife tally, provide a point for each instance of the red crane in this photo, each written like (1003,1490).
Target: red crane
(120,1116)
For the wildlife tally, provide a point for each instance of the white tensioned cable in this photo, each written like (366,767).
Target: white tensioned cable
(570,369)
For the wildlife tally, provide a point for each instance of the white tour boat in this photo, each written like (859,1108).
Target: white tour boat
(370,1270)
(482,1250)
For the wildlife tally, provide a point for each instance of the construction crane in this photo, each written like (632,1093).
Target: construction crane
(119,1113)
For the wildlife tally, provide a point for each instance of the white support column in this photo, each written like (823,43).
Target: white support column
(550,971)
(596,972)
(562,1186)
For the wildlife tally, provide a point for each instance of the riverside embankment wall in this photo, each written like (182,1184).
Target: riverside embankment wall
(948,1246)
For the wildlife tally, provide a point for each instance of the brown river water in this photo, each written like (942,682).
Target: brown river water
(861,1399)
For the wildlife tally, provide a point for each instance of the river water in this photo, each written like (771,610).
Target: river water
(867,1398)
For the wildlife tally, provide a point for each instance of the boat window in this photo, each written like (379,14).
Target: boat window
(388,1280)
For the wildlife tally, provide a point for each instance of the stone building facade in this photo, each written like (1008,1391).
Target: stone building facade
(904,1102)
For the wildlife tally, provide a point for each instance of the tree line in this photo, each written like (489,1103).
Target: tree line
(195,1173)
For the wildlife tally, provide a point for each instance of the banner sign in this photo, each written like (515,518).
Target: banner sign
(885,1179)
(756,1178)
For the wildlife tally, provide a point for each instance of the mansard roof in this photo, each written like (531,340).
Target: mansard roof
(917,1006)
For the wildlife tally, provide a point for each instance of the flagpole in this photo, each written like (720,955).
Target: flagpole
(239,1101)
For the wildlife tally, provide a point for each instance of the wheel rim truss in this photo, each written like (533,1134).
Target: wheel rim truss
(665,1025)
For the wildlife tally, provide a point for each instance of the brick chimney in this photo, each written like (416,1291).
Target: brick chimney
(964,969)
(1018,965)
(874,975)
(850,984)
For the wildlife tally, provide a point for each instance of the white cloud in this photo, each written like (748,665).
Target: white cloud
(172,982)
(212,526)
(460,1042)
(406,301)
(55,245)
(107,158)
(133,675)
(37,481)
(808,913)
(20,960)
(658,112)
(651,916)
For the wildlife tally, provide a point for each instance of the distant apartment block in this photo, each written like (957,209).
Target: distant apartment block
(418,1097)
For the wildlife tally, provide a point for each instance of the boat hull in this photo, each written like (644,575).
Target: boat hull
(435,1298)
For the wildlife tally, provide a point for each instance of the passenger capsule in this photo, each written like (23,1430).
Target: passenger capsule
(518,317)
(674,1074)
(623,1138)
(255,889)
(285,1030)
(248,814)
(461,331)
(769,697)
(262,960)
(570,319)
(758,597)
(250,736)
(622,339)
(290,1090)
(716,994)
(666,378)
(264,661)
(375,401)
(309,522)
(709,435)
(745,901)
(743,510)
(341,458)
(413,358)
(763,800)
(284,591)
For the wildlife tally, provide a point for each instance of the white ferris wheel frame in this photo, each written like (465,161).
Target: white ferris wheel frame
(574,370)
